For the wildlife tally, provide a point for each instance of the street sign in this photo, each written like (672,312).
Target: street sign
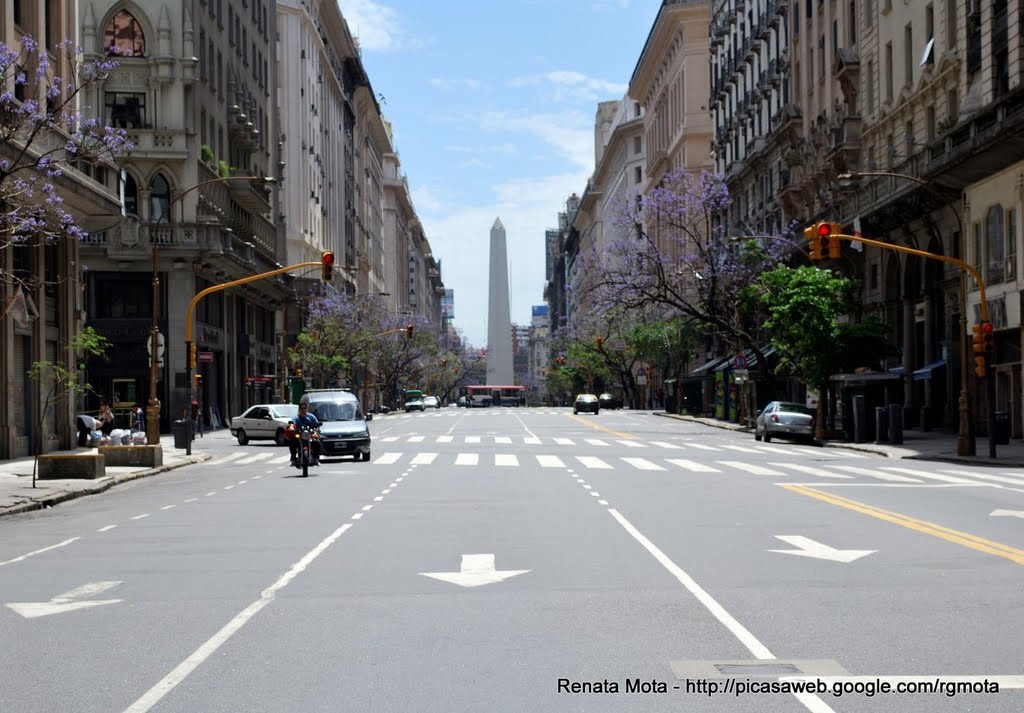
(740,362)
(641,380)
(159,349)
(205,357)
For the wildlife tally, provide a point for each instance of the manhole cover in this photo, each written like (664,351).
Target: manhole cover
(765,669)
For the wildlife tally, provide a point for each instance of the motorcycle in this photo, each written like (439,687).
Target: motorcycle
(305,436)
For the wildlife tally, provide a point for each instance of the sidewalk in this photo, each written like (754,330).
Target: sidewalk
(917,445)
(17,494)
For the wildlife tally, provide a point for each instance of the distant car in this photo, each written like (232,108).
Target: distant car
(344,430)
(606,400)
(784,419)
(586,402)
(415,405)
(463,401)
(431,402)
(263,421)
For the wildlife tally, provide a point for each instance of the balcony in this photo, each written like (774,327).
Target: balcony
(845,150)
(764,32)
(846,70)
(250,193)
(159,144)
(784,60)
(789,120)
(790,191)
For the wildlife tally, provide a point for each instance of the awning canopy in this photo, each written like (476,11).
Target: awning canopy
(710,366)
(925,372)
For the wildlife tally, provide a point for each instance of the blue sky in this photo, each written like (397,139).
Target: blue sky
(493,109)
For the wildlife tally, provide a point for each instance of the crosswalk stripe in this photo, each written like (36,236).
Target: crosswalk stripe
(811,470)
(424,458)
(593,463)
(927,475)
(1018,481)
(564,442)
(875,474)
(531,441)
(387,458)
(444,439)
(281,459)
(663,444)
(692,465)
(750,468)
(416,439)
(595,441)
(703,447)
(846,453)
(254,459)
(631,444)
(642,464)
(388,439)
(502,439)
(741,449)
(467,459)
(226,459)
(550,462)
(773,449)
(505,459)
(472,439)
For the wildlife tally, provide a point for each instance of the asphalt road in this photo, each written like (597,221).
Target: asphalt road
(501,559)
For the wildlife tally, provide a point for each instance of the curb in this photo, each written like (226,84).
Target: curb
(48,501)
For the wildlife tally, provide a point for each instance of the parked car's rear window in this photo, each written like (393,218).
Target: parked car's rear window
(794,408)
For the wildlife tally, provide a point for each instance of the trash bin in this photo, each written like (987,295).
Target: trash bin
(180,430)
(1002,430)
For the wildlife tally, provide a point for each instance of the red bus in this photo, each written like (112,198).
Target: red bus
(481,395)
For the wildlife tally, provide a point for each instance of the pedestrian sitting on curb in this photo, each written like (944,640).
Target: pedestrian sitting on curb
(86,425)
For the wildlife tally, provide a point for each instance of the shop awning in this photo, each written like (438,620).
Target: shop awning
(709,367)
(925,372)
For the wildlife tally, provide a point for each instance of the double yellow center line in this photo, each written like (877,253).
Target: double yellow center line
(928,528)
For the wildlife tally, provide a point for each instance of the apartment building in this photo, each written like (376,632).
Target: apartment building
(42,292)
(195,90)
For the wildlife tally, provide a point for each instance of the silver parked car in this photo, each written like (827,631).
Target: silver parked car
(785,419)
(263,421)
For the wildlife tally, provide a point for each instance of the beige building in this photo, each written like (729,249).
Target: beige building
(42,306)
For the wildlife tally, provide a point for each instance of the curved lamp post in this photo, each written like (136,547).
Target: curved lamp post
(965,445)
(153,407)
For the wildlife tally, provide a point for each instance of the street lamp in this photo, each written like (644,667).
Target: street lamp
(965,445)
(153,407)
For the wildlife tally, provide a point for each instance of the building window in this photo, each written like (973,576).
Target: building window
(873,279)
(638,174)
(951,24)
(1011,244)
(908,55)
(126,110)
(871,86)
(124,36)
(853,23)
(637,144)
(888,71)
(17,12)
(159,200)
(995,247)
(131,195)
(929,117)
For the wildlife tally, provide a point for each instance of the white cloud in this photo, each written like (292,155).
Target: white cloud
(570,134)
(424,199)
(572,86)
(374,24)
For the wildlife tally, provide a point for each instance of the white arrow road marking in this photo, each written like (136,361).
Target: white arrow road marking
(68,601)
(1007,513)
(475,571)
(811,548)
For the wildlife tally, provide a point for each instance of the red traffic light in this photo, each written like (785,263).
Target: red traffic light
(986,327)
(328,258)
(824,230)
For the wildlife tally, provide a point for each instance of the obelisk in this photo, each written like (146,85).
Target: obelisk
(499,322)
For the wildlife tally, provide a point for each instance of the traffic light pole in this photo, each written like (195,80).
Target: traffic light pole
(965,442)
(189,355)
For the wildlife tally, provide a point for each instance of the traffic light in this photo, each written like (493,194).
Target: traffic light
(827,232)
(599,342)
(813,241)
(988,337)
(192,356)
(199,381)
(327,264)
(978,347)
(408,331)
(298,373)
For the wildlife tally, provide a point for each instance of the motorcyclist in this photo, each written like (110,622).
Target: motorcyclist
(304,418)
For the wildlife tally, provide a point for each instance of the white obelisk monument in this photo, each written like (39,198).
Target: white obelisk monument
(499,322)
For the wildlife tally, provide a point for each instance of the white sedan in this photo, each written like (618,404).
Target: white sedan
(263,421)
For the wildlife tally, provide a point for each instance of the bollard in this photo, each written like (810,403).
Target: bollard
(881,424)
(896,423)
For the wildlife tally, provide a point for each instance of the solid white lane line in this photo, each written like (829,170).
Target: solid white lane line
(564,442)
(467,459)
(445,439)
(51,547)
(643,464)
(505,459)
(415,439)
(592,462)
(531,441)
(423,458)
(595,441)
(631,444)
(550,462)
(693,465)
(502,439)
(182,670)
(750,468)
(811,470)
(387,458)
(875,474)
(472,439)
(665,444)
(745,637)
